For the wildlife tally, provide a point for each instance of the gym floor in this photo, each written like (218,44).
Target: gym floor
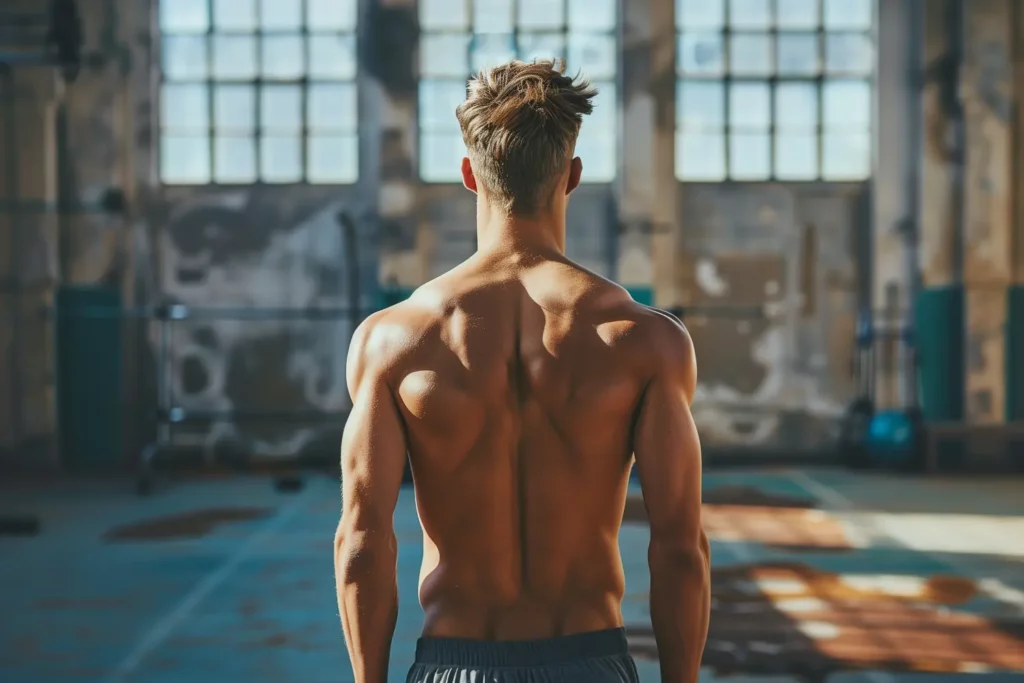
(818,574)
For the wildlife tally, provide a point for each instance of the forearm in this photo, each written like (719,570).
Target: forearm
(365,571)
(680,608)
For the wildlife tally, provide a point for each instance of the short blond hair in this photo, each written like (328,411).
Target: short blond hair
(520,122)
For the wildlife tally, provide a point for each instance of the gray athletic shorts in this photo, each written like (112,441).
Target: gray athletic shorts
(595,657)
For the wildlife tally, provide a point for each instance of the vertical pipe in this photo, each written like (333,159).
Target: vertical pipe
(912,180)
(65,193)
(957,130)
(13,192)
(350,244)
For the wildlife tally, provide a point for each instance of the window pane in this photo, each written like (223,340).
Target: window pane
(796,106)
(700,156)
(701,53)
(592,53)
(749,14)
(541,14)
(797,53)
(281,159)
(337,15)
(848,14)
(438,100)
(851,53)
(749,106)
(234,57)
(234,108)
(750,53)
(846,156)
(490,50)
(846,104)
(492,16)
(184,57)
(332,159)
(281,108)
(234,15)
(592,15)
(332,106)
(184,159)
(749,156)
(184,16)
(185,107)
(441,157)
(443,14)
(796,156)
(796,13)
(234,159)
(332,56)
(534,46)
(597,143)
(596,149)
(281,14)
(695,14)
(700,105)
(444,54)
(283,57)
(605,114)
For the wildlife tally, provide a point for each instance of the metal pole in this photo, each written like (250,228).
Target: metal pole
(912,178)
(13,191)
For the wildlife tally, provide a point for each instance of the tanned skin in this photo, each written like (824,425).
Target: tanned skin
(522,387)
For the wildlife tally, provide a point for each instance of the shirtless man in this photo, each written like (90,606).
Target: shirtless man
(521,387)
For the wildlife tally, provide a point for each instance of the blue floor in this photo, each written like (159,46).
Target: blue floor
(818,574)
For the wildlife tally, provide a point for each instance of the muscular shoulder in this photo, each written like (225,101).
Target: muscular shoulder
(387,340)
(665,347)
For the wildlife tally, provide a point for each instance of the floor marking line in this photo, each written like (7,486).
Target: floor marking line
(165,626)
(838,502)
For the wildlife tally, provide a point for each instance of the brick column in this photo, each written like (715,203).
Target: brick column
(987,92)
(389,43)
(649,239)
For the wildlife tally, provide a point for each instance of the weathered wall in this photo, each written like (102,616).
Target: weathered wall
(28,260)
(779,269)
(773,295)
(988,100)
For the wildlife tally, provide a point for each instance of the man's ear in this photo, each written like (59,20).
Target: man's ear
(575,171)
(468,179)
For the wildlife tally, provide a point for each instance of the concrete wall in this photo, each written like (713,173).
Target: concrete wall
(780,269)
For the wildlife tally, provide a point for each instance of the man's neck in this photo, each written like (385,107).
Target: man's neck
(500,232)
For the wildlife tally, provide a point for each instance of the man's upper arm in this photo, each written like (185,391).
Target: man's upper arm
(373,448)
(665,441)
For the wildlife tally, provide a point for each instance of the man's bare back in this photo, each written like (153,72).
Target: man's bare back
(517,383)
(521,388)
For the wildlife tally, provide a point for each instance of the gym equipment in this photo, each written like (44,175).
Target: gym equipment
(896,438)
(853,426)
(892,438)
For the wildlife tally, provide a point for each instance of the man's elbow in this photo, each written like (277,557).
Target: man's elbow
(360,553)
(680,553)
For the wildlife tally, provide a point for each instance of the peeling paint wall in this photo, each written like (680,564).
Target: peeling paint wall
(988,98)
(773,302)
(28,260)
(779,270)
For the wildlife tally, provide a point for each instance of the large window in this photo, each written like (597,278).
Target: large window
(774,89)
(258,91)
(460,37)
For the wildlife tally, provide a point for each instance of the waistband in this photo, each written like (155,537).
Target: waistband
(541,652)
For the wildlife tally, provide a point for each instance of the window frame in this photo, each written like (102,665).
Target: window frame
(255,132)
(773,79)
(563,31)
